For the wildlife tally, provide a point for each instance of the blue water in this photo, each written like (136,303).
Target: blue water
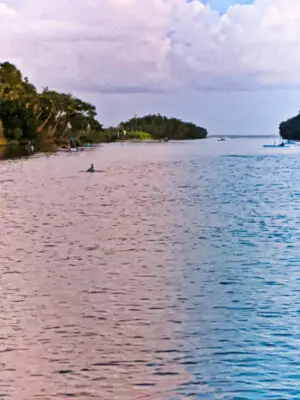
(172,275)
(241,232)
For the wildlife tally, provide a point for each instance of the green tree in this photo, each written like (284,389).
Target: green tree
(26,114)
(160,127)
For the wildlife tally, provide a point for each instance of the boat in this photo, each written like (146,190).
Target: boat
(71,149)
(275,146)
(75,149)
(279,146)
(282,144)
(221,139)
(292,142)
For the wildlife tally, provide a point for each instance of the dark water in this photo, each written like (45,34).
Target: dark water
(173,274)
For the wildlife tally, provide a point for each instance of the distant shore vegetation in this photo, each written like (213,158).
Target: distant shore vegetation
(156,127)
(51,117)
(290,129)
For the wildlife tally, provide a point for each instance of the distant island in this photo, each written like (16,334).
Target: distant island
(290,129)
(155,127)
(50,117)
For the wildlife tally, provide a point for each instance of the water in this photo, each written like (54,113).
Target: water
(173,274)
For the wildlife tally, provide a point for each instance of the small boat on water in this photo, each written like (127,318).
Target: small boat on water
(277,146)
(221,139)
(292,142)
(72,149)
(282,145)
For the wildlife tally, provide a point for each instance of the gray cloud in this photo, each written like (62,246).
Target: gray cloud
(152,46)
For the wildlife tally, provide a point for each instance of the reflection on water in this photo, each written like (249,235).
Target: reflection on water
(172,274)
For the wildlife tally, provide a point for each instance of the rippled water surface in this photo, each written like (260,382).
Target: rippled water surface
(171,274)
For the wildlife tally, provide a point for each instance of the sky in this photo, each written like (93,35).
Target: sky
(230,66)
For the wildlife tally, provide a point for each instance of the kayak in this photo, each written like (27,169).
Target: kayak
(276,146)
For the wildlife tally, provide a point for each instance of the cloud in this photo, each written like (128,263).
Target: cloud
(152,45)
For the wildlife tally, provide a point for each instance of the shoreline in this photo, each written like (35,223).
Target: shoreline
(15,150)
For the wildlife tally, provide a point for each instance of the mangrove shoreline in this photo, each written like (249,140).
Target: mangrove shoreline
(30,117)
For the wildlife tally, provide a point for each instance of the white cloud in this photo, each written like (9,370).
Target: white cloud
(152,45)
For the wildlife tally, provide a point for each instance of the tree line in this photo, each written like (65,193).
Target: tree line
(290,129)
(159,127)
(27,115)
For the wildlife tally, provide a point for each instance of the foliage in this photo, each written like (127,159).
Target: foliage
(290,129)
(49,116)
(160,127)
(137,135)
(105,136)
(114,134)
